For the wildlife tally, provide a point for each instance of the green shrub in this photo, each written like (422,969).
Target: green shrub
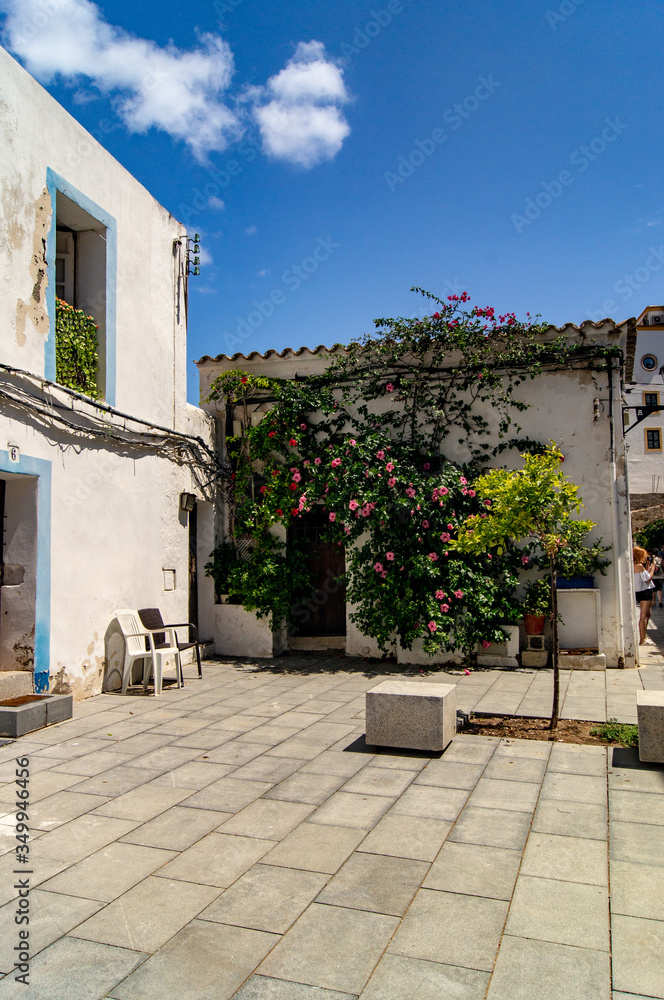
(76,349)
(623,733)
(651,537)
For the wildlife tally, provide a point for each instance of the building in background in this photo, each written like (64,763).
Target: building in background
(96,448)
(644,422)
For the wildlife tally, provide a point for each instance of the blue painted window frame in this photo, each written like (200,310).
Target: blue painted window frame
(41,469)
(55,183)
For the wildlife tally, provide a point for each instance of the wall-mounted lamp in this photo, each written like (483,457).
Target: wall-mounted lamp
(187,501)
(193,247)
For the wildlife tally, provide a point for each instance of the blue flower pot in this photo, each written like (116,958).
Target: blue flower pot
(575,583)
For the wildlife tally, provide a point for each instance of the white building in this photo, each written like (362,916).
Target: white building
(581,410)
(645,426)
(91,490)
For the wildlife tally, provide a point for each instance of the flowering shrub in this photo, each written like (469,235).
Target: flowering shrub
(394,501)
(76,349)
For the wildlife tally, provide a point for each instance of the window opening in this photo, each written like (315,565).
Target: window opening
(653,439)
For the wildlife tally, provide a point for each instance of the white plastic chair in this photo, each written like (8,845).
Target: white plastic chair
(134,636)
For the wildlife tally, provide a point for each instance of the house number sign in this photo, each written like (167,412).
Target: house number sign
(14,453)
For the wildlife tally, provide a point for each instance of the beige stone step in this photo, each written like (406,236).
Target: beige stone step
(15,683)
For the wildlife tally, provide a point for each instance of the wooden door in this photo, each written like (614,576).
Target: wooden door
(323,612)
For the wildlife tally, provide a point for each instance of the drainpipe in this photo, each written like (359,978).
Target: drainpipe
(615,522)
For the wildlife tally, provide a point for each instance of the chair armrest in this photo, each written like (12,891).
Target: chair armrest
(146,632)
(183,625)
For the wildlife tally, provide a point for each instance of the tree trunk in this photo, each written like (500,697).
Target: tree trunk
(554,652)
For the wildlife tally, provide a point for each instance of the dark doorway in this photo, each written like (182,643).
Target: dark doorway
(193,570)
(324,612)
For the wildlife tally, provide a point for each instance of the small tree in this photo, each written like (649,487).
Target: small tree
(535,503)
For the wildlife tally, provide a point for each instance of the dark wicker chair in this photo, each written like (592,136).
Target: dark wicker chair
(152,620)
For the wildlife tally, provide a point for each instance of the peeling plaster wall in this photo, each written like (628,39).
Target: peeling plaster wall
(561,407)
(115,518)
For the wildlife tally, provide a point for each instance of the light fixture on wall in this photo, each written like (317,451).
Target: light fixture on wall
(193,247)
(187,501)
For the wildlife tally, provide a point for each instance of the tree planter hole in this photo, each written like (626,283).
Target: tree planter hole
(33,711)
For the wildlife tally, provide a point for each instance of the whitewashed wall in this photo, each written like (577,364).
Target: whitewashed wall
(114,518)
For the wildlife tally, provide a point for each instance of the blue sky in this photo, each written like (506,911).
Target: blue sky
(329,132)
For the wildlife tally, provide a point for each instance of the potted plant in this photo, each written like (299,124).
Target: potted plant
(224,559)
(576,563)
(537,606)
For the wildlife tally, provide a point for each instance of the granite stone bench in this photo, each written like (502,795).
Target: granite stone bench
(411,715)
(650,715)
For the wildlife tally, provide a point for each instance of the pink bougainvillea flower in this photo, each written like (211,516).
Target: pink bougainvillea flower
(410,492)
(389,556)
(451,527)
(426,466)
(389,467)
(333,516)
(296,477)
(384,574)
(303,427)
(263,489)
(471,493)
(292,442)
(440,595)
(293,486)
(317,461)
(353,505)
(489,557)
(485,644)
(458,594)
(279,512)
(432,626)
(425,524)
(336,462)
(444,608)
(353,442)
(306,462)
(487,503)
(445,536)
(346,529)
(392,481)
(433,556)
(380,454)
(389,387)
(295,511)
(525,560)
(272,434)
(378,567)
(446,553)
(463,481)
(244,380)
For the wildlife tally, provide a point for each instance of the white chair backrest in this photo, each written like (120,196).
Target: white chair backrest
(130,623)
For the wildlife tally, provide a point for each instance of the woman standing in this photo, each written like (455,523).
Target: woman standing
(658,580)
(644,589)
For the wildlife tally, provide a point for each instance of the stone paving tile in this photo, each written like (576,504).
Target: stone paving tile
(431,802)
(468,752)
(53,811)
(578,759)
(227,795)
(529,749)
(70,749)
(303,747)
(267,819)
(636,842)
(561,912)
(266,898)
(147,916)
(334,762)
(572,819)
(82,836)
(144,802)
(115,781)
(270,734)
(574,787)
(637,890)
(108,873)
(544,971)
(272,769)
(406,837)
(218,859)
(51,916)
(570,859)
(235,752)
(402,760)
(380,781)
(637,807)
(195,775)
(450,774)
(638,957)
(42,785)
(266,988)
(174,830)
(309,788)
(400,978)
(516,796)
(375,882)
(451,928)
(494,828)
(42,869)
(164,758)
(92,763)
(351,809)
(144,743)
(205,739)
(315,847)
(331,947)
(203,960)
(77,970)
(474,870)
(515,768)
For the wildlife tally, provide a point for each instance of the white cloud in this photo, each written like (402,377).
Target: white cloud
(177,91)
(250,230)
(298,111)
(183,93)
(205,256)
(217,203)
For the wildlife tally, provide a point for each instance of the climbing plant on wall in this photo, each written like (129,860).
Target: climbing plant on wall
(370,440)
(76,349)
